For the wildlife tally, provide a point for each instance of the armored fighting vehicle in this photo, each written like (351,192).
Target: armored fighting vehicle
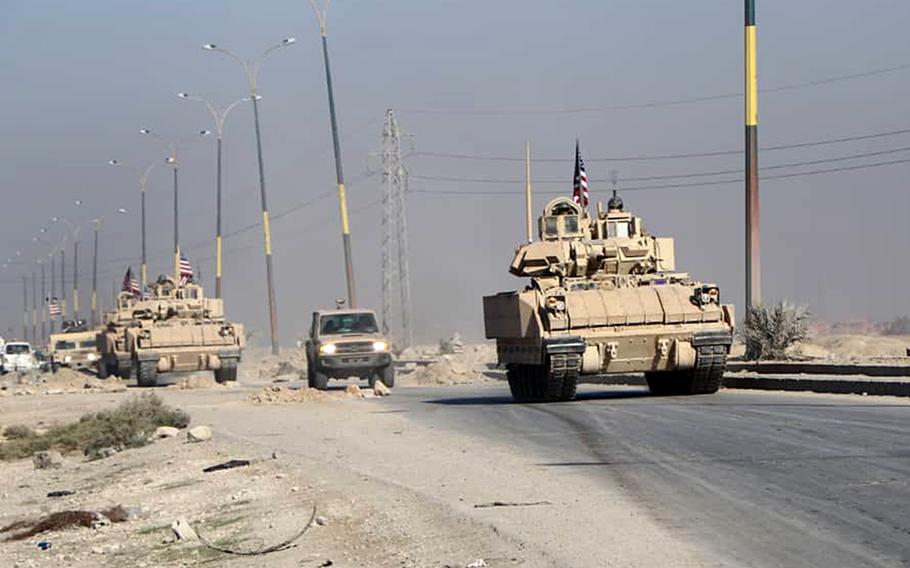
(178,330)
(604,297)
(74,347)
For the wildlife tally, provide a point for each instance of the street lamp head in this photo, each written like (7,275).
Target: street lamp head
(204,132)
(144,131)
(289,40)
(113,162)
(122,211)
(78,202)
(170,160)
(256,97)
(183,95)
(43,229)
(209,46)
(55,219)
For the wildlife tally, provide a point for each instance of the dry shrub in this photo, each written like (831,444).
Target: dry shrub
(770,331)
(129,425)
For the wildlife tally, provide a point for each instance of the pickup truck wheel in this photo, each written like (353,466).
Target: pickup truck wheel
(317,380)
(387,375)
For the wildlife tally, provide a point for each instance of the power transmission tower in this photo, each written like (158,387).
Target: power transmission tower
(395,271)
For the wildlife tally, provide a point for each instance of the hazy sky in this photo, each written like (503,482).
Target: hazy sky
(81,78)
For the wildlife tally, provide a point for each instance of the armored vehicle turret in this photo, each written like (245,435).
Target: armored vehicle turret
(604,297)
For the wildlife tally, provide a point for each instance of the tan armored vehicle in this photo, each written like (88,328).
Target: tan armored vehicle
(347,343)
(604,297)
(115,357)
(75,347)
(180,330)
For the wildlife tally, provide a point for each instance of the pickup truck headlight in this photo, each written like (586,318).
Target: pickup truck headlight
(68,359)
(91,356)
(380,345)
(328,348)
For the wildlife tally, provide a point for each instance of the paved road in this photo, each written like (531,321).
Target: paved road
(765,479)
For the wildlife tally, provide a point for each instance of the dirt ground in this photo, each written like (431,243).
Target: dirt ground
(363,519)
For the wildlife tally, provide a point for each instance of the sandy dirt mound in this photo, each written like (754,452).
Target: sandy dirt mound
(197,381)
(65,380)
(467,367)
(284,395)
(259,365)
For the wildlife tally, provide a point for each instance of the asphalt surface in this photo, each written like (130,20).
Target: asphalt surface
(760,478)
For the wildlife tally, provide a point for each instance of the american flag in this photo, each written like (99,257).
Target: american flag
(130,284)
(53,307)
(580,184)
(186,270)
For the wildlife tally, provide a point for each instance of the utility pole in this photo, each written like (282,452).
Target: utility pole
(44,304)
(97,223)
(62,282)
(753,235)
(53,295)
(34,308)
(336,146)
(24,308)
(251,70)
(219,118)
(395,267)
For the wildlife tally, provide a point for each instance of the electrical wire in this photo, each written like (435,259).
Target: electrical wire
(656,104)
(676,186)
(822,142)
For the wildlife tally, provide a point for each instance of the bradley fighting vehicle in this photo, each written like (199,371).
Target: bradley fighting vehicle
(178,329)
(604,297)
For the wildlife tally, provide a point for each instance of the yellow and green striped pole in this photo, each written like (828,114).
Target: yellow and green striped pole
(753,238)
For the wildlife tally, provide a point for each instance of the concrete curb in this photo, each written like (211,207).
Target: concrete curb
(813,384)
(803,368)
(855,385)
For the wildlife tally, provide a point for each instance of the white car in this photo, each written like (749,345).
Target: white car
(19,357)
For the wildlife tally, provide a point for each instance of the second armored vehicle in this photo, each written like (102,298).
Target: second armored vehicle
(111,342)
(604,297)
(347,343)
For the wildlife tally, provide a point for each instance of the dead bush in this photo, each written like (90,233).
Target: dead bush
(770,331)
(129,425)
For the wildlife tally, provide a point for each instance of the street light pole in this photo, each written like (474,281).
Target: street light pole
(220,118)
(34,308)
(172,160)
(96,223)
(143,183)
(44,301)
(336,145)
(251,69)
(24,307)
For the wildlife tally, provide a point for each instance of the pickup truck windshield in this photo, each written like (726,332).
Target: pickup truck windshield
(347,323)
(17,349)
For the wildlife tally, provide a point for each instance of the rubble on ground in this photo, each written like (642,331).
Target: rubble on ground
(466,367)
(64,381)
